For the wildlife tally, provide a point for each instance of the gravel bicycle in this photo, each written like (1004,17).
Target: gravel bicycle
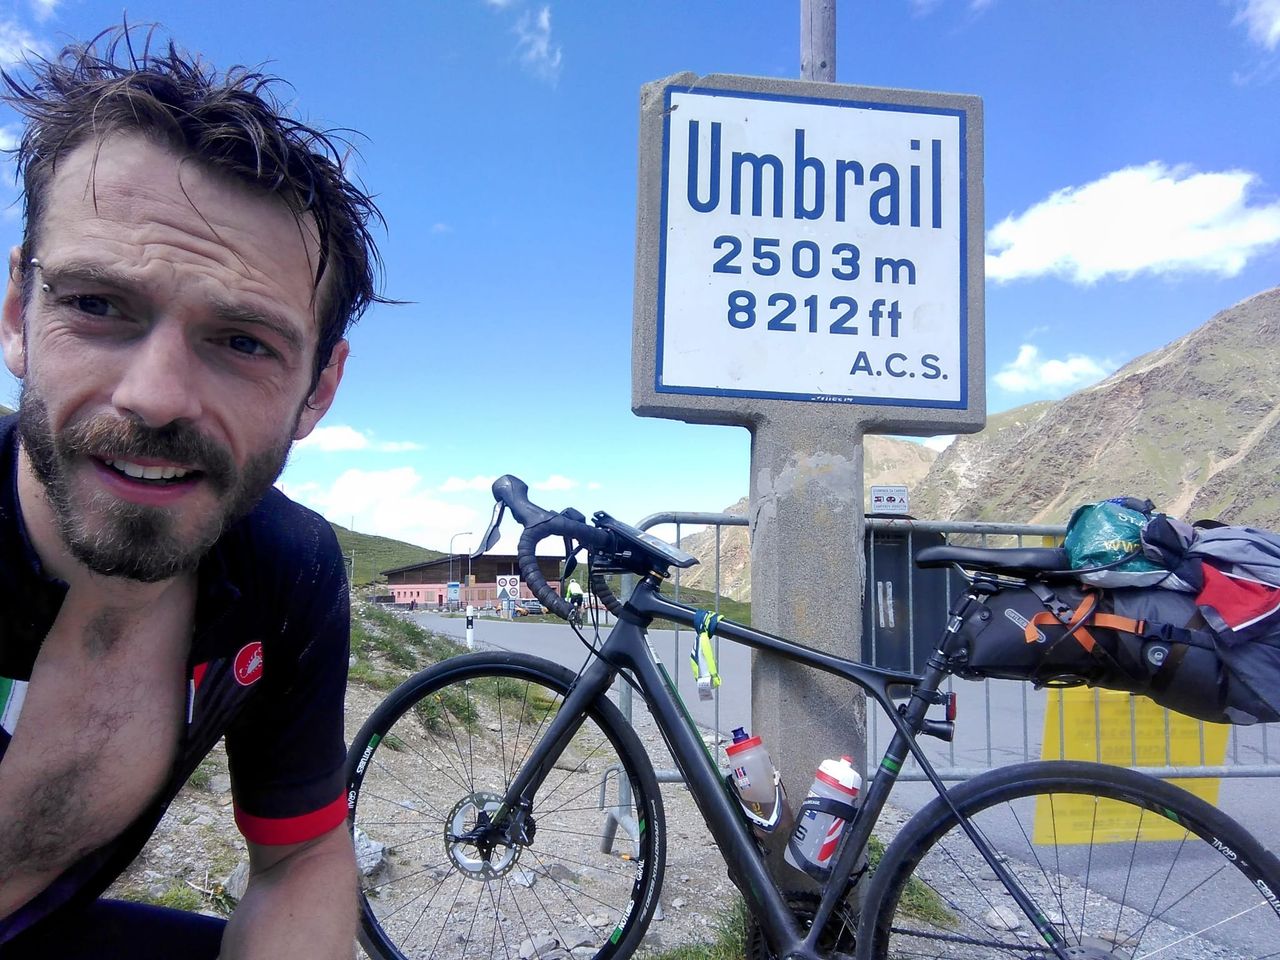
(496,782)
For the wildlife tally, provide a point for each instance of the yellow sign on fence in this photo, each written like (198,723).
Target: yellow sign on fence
(1109,726)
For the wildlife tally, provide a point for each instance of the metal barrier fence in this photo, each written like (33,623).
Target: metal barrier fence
(1017,722)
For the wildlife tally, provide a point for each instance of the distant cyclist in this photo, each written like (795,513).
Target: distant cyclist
(573,592)
(190,263)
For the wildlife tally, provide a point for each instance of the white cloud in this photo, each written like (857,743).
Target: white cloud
(939,443)
(398,503)
(10,136)
(499,4)
(1146,219)
(922,8)
(343,439)
(16,43)
(458,484)
(533,41)
(1030,372)
(333,440)
(1262,19)
(593,485)
(441,228)
(392,503)
(555,482)
(44,9)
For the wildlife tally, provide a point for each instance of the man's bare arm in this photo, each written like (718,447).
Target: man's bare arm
(301,902)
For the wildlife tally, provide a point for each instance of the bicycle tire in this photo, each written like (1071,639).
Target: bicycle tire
(445,744)
(1051,822)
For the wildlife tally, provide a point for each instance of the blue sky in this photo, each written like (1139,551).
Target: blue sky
(1132,187)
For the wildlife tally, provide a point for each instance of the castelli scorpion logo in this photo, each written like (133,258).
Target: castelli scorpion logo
(248,664)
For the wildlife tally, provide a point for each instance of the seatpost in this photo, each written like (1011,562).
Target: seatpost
(925,694)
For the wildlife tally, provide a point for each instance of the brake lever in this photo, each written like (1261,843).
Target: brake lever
(570,551)
(491,535)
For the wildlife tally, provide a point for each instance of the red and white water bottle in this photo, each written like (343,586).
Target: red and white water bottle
(822,817)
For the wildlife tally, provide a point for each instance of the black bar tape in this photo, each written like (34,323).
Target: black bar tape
(540,523)
(600,587)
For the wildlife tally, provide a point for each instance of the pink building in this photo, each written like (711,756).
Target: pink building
(427,584)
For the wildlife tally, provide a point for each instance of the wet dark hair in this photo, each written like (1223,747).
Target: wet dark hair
(230,122)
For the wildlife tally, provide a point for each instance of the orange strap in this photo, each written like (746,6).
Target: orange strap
(1108,621)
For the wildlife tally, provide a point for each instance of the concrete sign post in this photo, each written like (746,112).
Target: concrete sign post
(809,266)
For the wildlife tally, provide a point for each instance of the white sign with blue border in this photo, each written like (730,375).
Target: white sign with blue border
(813,249)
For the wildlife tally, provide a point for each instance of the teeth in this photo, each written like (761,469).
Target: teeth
(147,473)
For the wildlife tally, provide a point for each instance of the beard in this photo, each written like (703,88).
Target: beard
(114,537)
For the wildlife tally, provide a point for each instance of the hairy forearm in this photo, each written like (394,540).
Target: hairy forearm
(304,907)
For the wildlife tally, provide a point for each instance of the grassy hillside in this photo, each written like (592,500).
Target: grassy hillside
(375,554)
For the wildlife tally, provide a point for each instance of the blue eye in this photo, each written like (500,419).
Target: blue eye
(94,306)
(247,345)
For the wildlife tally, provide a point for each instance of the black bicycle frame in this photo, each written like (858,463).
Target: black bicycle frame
(626,648)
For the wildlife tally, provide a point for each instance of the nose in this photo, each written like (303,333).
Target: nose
(158,381)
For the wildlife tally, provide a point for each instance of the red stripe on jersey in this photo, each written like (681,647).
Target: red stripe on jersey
(277,831)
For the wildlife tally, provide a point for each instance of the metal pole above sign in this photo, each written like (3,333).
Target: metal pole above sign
(809,266)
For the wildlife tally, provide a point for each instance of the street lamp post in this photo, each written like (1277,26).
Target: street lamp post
(465,533)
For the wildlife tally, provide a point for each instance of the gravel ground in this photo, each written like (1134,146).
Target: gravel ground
(195,859)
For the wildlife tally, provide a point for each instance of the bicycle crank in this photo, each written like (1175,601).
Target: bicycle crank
(837,935)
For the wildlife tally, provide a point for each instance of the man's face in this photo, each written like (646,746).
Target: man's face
(166,353)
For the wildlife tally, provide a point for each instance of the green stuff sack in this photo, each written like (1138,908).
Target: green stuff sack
(1104,543)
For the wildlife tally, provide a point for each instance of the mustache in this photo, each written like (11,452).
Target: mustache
(113,438)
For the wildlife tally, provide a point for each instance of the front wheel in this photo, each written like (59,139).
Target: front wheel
(577,878)
(1122,865)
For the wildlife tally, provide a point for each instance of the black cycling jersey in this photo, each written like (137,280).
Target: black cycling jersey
(267,668)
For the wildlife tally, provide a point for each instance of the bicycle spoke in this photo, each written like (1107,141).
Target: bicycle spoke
(511,882)
(1175,897)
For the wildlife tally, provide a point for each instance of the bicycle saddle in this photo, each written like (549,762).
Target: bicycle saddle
(1019,560)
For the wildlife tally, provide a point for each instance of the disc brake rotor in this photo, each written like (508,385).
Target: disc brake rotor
(492,857)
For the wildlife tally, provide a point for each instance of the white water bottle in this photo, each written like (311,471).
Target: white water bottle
(822,818)
(756,781)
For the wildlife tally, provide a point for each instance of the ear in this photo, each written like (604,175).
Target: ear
(12,335)
(322,398)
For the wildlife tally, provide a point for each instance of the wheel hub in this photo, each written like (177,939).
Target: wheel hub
(476,848)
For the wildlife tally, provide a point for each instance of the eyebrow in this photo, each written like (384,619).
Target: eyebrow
(277,324)
(98,274)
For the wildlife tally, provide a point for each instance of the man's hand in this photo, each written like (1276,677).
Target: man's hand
(301,902)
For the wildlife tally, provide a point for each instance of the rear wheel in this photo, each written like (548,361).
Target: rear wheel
(1123,866)
(427,774)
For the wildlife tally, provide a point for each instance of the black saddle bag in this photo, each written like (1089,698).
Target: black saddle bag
(1145,641)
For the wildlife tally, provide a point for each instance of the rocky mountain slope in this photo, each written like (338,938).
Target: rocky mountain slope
(1194,426)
